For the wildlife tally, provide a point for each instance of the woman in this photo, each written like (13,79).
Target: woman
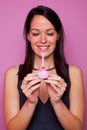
(53,103)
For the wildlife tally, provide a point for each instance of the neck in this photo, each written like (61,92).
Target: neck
(46,69)
(49,63)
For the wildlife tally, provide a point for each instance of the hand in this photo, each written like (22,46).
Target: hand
(30,87)
(56,87)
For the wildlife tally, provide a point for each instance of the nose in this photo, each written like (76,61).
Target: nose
(43,38)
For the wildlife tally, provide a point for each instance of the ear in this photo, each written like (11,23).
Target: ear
(28,36)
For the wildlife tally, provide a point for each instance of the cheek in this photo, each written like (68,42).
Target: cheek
(53,43)
(33,46)
(52,40)
(53,46)
(33,41)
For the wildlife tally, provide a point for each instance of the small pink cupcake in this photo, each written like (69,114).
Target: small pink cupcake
(43,74)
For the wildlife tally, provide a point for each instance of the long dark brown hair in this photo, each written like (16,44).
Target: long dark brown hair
(59,58)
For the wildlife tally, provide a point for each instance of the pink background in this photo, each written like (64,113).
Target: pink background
(12,46)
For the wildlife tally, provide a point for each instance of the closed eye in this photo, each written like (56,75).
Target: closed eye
(50,34)
(35,34)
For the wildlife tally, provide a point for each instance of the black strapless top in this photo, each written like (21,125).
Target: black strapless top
(44,117)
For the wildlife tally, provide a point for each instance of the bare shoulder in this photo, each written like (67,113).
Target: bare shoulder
(76,76)
(75,71)
(11,81)
(12,72)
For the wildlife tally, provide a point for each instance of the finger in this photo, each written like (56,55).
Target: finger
(33,82)
(32,99)
(57,79)
(57,87)
(25,89)
(59,92)
(31,90)
(23,86)
(29,77)
(57,84)
(54,77)
(64,85)
(30,84)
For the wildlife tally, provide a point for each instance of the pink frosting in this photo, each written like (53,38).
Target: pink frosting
(43,74)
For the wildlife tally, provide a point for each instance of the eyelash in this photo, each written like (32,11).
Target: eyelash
(35,34)
(50,34)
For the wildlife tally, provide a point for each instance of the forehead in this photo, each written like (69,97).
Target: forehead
(40,21)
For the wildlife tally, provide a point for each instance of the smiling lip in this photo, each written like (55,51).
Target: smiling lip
(43,48)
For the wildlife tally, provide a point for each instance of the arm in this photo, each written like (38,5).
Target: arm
(16,119)
(72,119)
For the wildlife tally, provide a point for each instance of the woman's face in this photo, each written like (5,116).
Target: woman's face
(42,36)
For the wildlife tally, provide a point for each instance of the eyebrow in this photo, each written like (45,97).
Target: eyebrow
(46,30)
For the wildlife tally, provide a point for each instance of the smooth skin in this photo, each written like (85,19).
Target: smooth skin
(43,38)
